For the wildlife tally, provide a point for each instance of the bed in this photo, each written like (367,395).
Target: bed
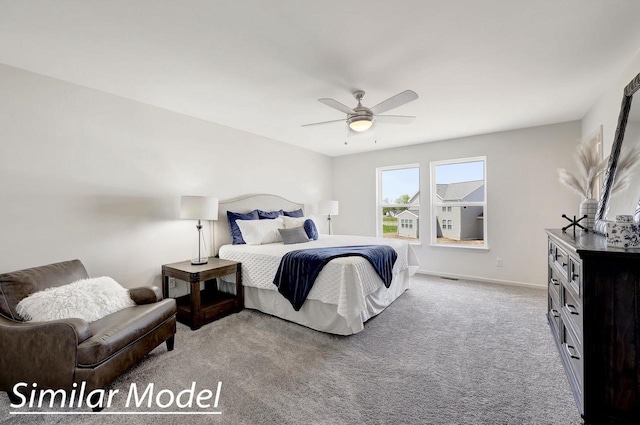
(347,292)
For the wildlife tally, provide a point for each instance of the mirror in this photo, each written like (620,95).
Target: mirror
(628,129)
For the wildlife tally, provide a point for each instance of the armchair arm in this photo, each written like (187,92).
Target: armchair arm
(41,352)
(145,295)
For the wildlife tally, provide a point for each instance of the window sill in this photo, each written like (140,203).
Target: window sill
(465,247)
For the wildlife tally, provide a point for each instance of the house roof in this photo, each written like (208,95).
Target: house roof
(407,212)
(457,191)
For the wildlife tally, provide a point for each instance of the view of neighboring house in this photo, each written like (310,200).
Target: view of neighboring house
(409,218)
(407,224)
(460,222)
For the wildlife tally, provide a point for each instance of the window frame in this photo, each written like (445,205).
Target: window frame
(380,205)
(434,205)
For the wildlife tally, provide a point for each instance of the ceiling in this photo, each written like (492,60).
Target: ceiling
(260,66)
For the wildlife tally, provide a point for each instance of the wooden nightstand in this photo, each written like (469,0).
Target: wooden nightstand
(206,305)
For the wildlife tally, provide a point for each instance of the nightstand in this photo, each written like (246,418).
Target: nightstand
(204,305)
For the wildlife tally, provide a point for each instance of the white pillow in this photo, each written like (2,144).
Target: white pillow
(88,299)
(291,222)
(260,232)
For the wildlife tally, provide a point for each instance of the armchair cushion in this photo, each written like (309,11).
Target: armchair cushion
(122,328)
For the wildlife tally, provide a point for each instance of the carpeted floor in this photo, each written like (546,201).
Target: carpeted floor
(446,352)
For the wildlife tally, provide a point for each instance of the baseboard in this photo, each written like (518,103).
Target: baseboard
(482,279)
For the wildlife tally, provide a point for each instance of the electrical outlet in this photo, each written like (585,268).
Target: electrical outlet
(498,262)
(172,282)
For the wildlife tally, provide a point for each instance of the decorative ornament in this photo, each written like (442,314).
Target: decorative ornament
(574,223)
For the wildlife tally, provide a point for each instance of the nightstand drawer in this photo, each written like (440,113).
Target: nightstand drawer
(218,310)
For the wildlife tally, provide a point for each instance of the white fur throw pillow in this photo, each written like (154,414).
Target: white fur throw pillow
(89,299)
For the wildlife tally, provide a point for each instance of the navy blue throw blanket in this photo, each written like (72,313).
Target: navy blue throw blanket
(298,269)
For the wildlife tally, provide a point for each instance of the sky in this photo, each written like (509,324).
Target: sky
(396,183)
(463,172)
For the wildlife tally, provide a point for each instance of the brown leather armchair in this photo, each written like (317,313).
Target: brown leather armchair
(58,353)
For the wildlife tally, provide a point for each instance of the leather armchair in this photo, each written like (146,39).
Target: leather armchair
(58,353)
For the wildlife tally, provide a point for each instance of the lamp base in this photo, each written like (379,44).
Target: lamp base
(199,261)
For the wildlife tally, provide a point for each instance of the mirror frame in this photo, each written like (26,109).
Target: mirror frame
(610,173)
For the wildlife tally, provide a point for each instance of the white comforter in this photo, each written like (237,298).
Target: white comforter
(344,281)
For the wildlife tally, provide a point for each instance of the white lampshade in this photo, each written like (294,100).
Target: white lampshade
(199,207)
(328,207)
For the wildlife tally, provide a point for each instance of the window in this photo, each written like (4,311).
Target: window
(459,194)
(398,202)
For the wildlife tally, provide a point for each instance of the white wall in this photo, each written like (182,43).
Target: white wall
(93,176)
(524,198)
(605,112)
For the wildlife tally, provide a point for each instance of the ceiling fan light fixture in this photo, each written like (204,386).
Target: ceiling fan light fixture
(360,124)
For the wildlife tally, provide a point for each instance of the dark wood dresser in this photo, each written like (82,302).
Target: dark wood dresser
(594,314)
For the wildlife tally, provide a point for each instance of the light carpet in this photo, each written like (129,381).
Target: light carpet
(445,352)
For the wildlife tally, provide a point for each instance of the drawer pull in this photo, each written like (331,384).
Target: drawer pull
(555,313)
(575,276)
(555,281)
(572,309)
(564,265)
(571,351)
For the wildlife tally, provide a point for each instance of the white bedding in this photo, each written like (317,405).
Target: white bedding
(344,282)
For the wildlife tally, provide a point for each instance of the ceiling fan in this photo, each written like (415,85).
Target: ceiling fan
(361,118)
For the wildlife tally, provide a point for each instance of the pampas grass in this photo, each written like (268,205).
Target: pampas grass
(590,167)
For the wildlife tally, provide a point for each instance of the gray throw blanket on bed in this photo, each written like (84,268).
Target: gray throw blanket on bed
(299,269)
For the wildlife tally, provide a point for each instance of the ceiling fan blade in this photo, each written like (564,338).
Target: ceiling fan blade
(395,119)
(323,122)
(395,101)
(337,105)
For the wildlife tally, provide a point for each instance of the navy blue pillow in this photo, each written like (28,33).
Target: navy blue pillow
(296,213)
(269,214)
(236,234)
(311,229)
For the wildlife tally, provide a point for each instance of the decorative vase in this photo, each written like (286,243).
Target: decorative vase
(588,207)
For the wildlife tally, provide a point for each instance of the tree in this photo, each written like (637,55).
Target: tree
(404,199)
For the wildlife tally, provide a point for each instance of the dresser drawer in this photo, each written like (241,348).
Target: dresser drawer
(561,259)
(554,313)
(572,313)
(573,354)
(555,282)
(575,276)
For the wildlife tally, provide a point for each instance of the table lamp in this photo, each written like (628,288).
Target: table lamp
(329,208)
(199,208)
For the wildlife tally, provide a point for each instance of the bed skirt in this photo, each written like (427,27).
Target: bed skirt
(322,316)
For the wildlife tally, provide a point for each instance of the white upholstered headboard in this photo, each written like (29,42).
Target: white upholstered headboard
(245,204)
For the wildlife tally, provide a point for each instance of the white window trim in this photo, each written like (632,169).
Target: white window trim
(380,205)
(435,205)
